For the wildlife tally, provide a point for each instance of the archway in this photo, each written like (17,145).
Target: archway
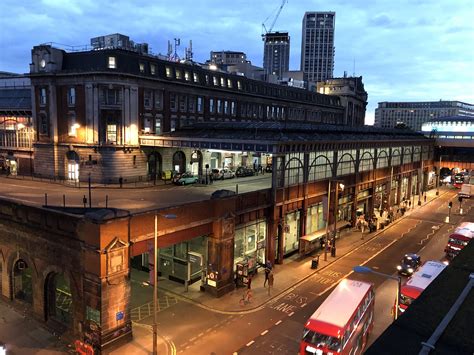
(58,300)
(196,163)
(179,162)
(22,282)
(154,165)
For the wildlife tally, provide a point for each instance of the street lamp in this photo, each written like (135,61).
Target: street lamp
(366,270)
(336,200)
(336,210)
(155,280)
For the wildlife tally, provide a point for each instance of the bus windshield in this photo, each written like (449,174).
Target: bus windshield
(405,300)
(318,339)
(457,241)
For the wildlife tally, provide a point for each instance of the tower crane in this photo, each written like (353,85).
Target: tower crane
(264,28)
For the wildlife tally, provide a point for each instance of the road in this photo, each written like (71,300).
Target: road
(276,327)
(135,200)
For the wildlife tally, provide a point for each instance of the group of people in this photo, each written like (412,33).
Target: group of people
(269,278)
(364,224)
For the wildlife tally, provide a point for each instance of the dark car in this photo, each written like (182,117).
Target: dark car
(409,264)
(244,171)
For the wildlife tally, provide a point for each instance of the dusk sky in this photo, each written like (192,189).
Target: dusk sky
(406,50)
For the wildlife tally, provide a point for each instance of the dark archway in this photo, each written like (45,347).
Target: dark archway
(179,162)
(154,166)
(22,282)
(58,300)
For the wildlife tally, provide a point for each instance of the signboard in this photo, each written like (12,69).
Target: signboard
(119,315)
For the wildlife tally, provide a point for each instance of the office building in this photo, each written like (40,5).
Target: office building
(414,114)
(276,53)
(317,45)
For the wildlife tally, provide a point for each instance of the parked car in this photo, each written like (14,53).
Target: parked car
(222,193)
(409,264)
(185,179)
(244,171)
(221,174)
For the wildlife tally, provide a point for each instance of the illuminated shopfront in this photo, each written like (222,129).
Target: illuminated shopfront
(249,243)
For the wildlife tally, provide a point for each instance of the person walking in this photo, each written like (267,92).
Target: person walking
(270,282)
(268,270)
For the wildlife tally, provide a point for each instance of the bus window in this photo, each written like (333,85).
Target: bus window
(332,343)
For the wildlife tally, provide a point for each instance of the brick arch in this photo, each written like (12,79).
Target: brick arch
(12,258)
(46,275)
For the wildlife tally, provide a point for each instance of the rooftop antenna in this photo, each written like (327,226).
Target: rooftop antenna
(170,50)
(189,51)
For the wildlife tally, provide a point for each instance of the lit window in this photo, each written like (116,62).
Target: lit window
(42,96)
(187,76)
(73,125)
(112,63)
(169,72)
(179,75)
(111,133)
(147,98)
(158,126)
(239,85)
(200,107)
(152,69)
(229,83)
(142,67)
(216,82)
(196,77)
(223,82)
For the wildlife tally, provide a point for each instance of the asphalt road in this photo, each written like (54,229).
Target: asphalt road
(276,328)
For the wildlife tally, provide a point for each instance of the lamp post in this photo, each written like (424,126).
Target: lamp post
(327,223)
(155,280)
(336,205)
(366,270)
(439,173)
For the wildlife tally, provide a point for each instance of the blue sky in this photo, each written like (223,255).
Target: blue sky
(406,50)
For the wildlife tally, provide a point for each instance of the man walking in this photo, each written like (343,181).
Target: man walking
(268,270)
(270,282)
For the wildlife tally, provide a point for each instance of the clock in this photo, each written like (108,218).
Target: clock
(42,63)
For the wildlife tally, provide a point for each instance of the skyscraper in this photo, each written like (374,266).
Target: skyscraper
(276,53)
(317,45)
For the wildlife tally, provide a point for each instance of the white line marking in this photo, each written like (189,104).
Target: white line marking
(265,332)
(304,304)
(253,341)
(278,322)
(289,315)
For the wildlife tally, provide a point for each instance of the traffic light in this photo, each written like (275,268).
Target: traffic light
(450,204)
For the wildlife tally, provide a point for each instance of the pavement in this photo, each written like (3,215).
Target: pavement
(294,271)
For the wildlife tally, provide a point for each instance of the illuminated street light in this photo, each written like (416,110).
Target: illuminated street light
(367,270)
(155,280)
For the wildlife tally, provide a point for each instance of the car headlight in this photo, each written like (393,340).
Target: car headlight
(410,270)
(399,267)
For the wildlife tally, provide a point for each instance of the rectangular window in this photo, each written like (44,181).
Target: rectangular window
(147,125)
(200,107)
(112,96)
(142,67)
(112,63)
(173,125)
(152,69)
(196,77)
(112,133)
(173,103)
(215,80)
(219,106)
(183,103)
(71,97)
(207,79)
(42,97)
(192,104)
(239,85)
(187,76)
(158,99)
(229,83)
(158,126)
(179,74)
(211,105)
(223,82)
(233,108)
(226,107)
(169,72)
(147,98)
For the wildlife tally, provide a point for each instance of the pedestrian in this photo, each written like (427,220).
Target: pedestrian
(409,204)
(249,282)
(424,198)
(120,181)
(270,281)
(268,270)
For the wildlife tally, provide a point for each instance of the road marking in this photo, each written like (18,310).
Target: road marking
(250,343)
(304,304)
(278,322)
(289,315)
(265,332)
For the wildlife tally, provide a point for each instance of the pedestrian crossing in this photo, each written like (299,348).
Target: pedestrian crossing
(146,310)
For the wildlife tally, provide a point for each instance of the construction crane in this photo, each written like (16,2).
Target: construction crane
(264,28)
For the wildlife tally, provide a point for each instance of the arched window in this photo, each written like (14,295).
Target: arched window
(366,162)
(58,300)
(395,157)
(22,283)
(382,159)
(407,155)
(346,165)
(320,168)
(416,154)
(294,171)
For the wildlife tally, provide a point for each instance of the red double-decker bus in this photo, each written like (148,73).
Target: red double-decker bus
(343,322)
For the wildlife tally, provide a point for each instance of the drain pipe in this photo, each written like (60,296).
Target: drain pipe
(430,344)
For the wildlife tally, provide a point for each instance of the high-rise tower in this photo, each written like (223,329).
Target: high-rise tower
(317,45)
(276,53)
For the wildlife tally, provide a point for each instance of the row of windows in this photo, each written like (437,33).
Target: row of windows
(221,81)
